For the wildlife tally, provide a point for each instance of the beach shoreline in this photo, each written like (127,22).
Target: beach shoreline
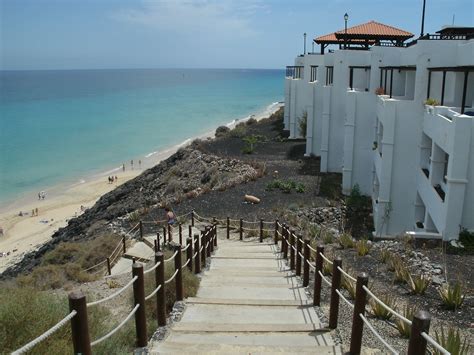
(22,234)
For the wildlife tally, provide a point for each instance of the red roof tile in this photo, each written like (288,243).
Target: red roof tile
(371,30)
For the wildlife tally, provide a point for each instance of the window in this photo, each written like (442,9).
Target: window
(329,75)
(314,72)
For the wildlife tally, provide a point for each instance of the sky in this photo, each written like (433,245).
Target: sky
(99,34)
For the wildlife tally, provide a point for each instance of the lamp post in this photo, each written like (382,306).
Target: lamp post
(423,19)
(346,17)
(304,48)
(312,48)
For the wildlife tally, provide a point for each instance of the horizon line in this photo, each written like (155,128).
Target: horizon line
(142,68)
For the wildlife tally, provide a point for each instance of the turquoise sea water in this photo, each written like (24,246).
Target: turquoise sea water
(59,126)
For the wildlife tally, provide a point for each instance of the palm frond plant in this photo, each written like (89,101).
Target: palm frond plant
(451,341)
(404,328)
(418,283)
(452,295)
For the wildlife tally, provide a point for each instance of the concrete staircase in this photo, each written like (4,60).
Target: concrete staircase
(248,302)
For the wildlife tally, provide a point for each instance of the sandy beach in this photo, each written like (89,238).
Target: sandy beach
(25,233)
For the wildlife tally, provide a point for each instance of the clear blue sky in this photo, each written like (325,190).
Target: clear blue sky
(65,34)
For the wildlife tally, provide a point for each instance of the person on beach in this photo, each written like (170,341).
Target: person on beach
(123,167)
(39,195)
(131,163)
(116,178)
(36,211)
(140,164)
(171,220)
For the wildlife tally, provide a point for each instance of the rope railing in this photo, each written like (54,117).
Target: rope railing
(171,257)
(185,248)
(377,335)
(117,328)
(345,299)
(113,295)
(45,335)
(172,277)
(346,274)
(154,292)
(311,265)
(152,268)
(376,299)
(185,264)
(324,278)
(433,343)
(326,259)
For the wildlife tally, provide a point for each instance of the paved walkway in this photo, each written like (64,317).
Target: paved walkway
(248,302)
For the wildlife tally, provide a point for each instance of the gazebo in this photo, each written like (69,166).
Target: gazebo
(364,35)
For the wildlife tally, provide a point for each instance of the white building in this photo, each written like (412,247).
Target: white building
(415,160)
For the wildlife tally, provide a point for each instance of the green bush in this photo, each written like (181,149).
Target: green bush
(363,247)
(346,241)
(285,186)
(381,312)
(451,341)
(418,283)
(303,124)
(452,295)
(404,328)
(239,131)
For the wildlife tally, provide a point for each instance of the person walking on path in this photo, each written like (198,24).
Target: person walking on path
(171,220)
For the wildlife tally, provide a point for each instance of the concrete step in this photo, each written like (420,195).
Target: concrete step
(184,348)
(242,292)
(249,302)
(226,280)
(294,340)
(212,314)
(247,327)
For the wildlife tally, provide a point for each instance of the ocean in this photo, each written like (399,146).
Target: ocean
(60,126)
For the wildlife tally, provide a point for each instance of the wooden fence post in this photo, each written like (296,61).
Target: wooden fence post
(164,235)
(178,262)
(359,308)
(158,245)
(228,227)
(160,295)
(214,234)
(284,241)
(211,241)
(299,247)
(124,244)
(210,246)
(335,285)
(261,230)
(170,234)
(306,260)
(139,298)
(109,268)
(317,276)
(276,232)
(79,323)
(190,231)
(204,251)
(292,250)
(189,253)
(197,259)
(241,229)
(180,228)
(192,218)
(420,323)
(141,230)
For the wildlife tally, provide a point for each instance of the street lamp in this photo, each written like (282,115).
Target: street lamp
(346,17)
(304,48)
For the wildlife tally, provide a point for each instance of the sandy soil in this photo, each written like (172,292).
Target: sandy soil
(24,233)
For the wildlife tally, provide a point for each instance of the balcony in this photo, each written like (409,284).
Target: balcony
(432,200)
(439,124)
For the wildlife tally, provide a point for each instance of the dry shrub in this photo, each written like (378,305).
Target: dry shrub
(67,262)
(25,313)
